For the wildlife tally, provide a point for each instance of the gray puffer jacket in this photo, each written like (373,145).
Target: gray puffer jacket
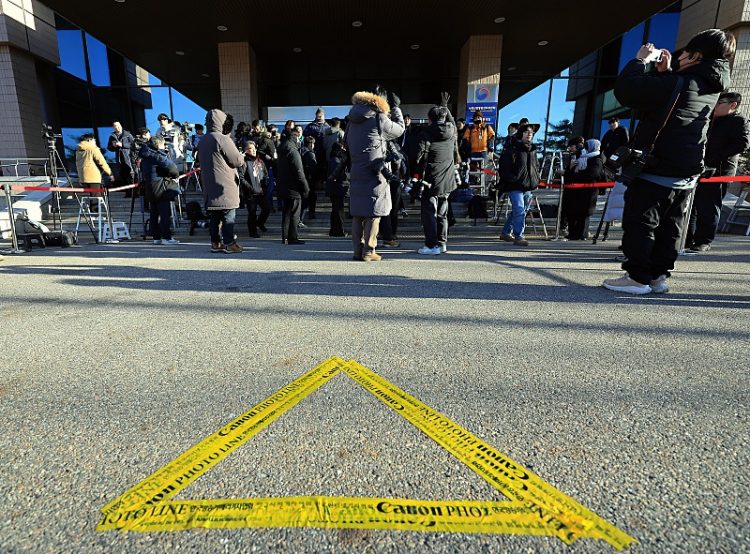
(219,162)
(369,191)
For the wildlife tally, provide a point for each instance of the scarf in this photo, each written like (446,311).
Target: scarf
(591,151)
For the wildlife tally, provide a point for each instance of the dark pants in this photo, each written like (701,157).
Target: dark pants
(435,220)
(253,219)
(389,224)
(221,226)
(290,217)
(160,219)
(704,219)
(578,227)
(652,224)
(311,202)
(337,216)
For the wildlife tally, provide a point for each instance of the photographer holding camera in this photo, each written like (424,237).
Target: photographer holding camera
(435,161)
(374,119)
(675,97)
(160,188)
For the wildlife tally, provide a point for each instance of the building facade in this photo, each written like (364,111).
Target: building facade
(591,80)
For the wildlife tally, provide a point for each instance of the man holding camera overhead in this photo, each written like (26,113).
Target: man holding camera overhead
(675,96)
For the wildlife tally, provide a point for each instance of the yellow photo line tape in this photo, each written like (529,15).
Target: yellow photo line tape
(536,507)
(189,466)
(336,513)
(508,476)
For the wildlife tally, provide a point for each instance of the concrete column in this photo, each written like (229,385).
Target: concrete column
(479,77)
(238,80)
(741,68)
(27,37)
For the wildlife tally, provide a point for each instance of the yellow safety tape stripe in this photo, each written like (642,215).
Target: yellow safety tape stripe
(340,513)
(508,476)
(189,466)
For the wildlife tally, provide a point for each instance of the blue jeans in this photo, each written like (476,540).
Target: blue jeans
(520,202)
(221,226)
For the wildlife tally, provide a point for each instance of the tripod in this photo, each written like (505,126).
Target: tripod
(55,164)
(141,192)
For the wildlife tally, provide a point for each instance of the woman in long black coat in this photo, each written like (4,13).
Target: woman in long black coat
(579,204)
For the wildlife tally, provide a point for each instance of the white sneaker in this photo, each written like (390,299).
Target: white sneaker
(659,285)
(626,284)
(443,248)
(170,241)
(425,251)
(158,241)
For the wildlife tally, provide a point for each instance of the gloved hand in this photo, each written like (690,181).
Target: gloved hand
(393,100)
(445,97)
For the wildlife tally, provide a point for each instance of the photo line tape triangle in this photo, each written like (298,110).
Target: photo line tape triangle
(534,507)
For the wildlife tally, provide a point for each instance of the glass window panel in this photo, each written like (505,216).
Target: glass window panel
(159,104)
(102,137)
(624,122)
(98,62)
(631,42)
(70,45)
(561,111)
(185,110)
(663,30)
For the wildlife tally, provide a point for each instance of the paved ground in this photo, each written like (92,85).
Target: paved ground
(116,359)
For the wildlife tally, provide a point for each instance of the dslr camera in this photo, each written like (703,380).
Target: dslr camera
(417,187)
(630,162)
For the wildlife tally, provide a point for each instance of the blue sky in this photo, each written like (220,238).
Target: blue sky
(533,105)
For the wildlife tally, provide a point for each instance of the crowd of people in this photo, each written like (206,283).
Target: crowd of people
(378,159)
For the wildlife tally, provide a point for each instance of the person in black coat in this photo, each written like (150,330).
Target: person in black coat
(653,217)
(337,185)
(121,142)
(435,161)
(160,188)
(310,166)
(395,171)
(579,204)
(728,137)
(614,138)
(291,185)
(253,184)
(519,173)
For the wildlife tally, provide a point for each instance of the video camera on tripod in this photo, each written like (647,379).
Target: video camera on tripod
(48,133)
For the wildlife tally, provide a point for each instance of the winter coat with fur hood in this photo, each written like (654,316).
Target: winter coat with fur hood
(371,125)
(219,162)
(90,163)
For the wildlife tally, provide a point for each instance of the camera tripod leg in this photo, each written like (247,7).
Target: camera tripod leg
(601,221)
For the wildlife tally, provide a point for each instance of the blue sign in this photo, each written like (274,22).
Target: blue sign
(488,109)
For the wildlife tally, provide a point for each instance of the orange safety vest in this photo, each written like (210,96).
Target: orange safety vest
(479,137)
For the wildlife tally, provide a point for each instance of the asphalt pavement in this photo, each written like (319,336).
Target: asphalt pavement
(115,359)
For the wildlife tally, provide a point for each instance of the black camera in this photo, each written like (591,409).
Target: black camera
(49,133)
(417,187)
(630,162)
(625,155)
